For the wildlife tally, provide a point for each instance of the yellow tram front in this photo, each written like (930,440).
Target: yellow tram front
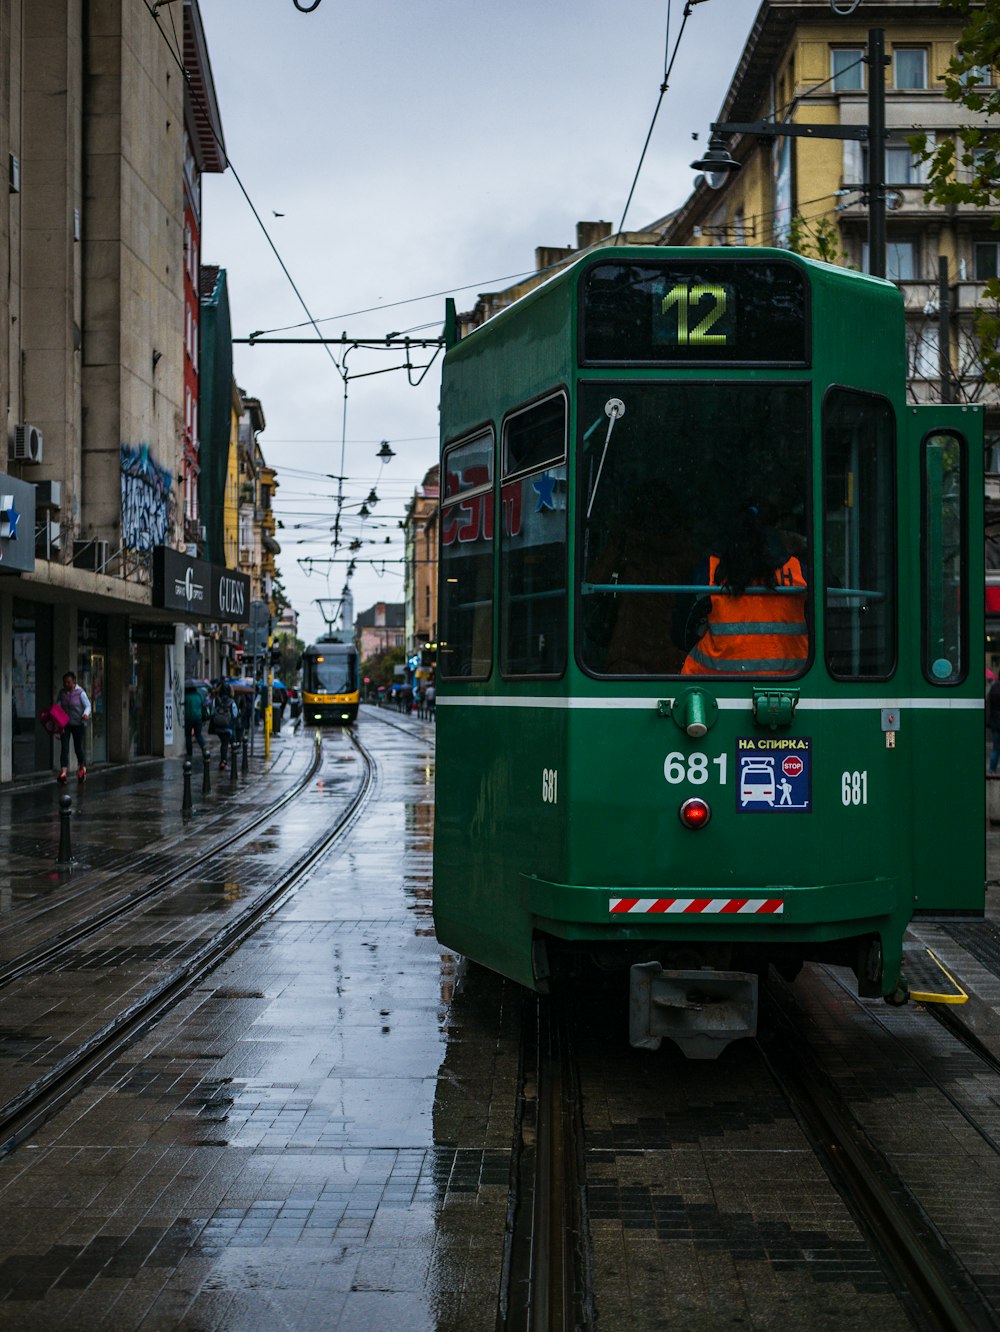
(330,688)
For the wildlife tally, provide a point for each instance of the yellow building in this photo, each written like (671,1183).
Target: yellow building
(805,64)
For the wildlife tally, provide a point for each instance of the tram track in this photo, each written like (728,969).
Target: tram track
(29,916)
(547,1284)
(46,953)
(21,1116)
(930,1279)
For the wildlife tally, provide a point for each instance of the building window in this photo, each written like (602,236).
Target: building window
(900,260)
(901,167)
(922,351)
(910,64)
(986,259)
(847,68)
(977,76)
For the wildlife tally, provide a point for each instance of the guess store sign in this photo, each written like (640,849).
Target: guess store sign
(198,589)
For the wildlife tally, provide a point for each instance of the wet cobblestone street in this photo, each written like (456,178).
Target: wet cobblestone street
(321,1135)
(305,1141)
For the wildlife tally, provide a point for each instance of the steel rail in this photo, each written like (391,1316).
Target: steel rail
(929,1279)
(405,729)
(33,959)
(547,1284)
(961,1033)
(158,850)
(23,1115)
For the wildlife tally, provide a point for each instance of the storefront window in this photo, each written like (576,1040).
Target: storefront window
(31,687)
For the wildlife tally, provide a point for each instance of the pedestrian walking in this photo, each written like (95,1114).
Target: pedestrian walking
(195,714)
(74,702)
(224,721)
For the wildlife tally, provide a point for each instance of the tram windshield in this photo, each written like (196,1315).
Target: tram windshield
(685,487)
(331,675)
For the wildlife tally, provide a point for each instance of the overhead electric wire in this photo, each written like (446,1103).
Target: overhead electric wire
(413,300)
(668,67)
(196,97)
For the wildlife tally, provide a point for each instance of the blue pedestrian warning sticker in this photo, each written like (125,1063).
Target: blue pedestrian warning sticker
(773,775)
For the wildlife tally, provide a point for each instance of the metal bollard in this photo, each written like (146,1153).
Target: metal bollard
(246,759)
(65,856)
(186,801)
(206,779)
(233,774)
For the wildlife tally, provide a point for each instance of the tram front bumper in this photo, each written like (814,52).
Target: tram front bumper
(700,1011)
(816,910)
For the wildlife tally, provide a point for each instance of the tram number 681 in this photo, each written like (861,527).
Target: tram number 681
(854,788)
(550,786)
(692,768)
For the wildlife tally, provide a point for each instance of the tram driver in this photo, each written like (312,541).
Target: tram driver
(756,622)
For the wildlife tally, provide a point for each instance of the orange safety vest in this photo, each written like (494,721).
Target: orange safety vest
(758,633)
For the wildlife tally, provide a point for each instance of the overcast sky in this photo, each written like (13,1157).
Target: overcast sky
(415,149)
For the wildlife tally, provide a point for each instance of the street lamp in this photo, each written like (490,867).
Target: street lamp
(718,165)
(385,453)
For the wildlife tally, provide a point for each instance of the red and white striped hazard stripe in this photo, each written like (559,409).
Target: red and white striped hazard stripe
(697,906)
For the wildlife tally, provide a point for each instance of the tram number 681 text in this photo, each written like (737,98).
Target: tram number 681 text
(692,768)
(550,786)
(854,788)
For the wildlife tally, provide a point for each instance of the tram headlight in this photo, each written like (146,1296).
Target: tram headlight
(695,813)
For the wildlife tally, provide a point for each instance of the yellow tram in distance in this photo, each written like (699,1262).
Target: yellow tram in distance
(330,686)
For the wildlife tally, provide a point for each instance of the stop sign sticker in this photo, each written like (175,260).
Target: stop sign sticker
(792,765)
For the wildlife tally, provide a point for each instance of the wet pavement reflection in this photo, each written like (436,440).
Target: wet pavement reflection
(318,1137)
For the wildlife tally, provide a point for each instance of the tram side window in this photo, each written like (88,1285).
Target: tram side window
(859,520)
(942,558)
(533,575)
(465,645)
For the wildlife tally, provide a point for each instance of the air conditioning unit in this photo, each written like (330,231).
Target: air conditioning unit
(27,443)
(48,539)
(48,495)
(91,555)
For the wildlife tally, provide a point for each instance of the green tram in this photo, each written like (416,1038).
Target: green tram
(709,695)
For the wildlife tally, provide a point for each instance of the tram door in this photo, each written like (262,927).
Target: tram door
(946,641)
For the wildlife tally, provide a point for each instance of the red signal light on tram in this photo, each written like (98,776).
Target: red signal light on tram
(695,813)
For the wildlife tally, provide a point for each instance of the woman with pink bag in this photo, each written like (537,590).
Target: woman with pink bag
(74,701)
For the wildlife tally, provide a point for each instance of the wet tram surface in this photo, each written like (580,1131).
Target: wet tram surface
(324,1132)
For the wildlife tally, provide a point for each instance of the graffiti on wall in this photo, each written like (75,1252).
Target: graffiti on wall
(145,499)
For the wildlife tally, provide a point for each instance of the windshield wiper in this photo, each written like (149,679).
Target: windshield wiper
(614,410)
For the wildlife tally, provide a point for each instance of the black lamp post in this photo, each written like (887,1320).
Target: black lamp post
(718,164)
